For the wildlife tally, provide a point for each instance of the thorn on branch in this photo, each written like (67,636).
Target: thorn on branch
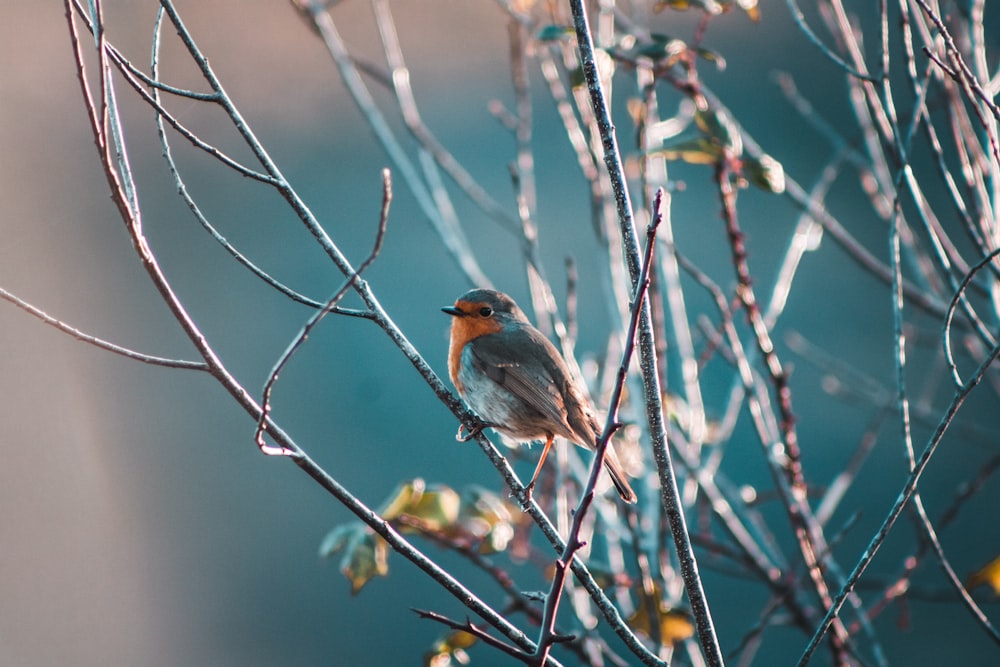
(535,596)
(473,630)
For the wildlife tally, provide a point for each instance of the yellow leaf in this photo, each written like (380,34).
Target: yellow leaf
(676,624)
(406,495)
(988,575)
(435,510)
(693,151)
(450,650)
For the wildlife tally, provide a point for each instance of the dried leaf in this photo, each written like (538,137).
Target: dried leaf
(676,625)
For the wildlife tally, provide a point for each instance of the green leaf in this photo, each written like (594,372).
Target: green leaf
(366,555)
(661,47)
(553,33)
(336,540)
(720,129)
(765,172)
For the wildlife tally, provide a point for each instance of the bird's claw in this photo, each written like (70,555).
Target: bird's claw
(525,500)
(478,428)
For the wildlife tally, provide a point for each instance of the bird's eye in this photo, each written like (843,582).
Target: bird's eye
(485,311)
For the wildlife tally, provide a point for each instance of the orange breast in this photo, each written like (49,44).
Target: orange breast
(463,330)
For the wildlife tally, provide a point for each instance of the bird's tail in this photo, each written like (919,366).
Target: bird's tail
(618,477)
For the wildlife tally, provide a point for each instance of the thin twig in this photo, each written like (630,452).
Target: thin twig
(318,316)
(946,339)
(573,543)
(800,20)
(99,342)
(670,495)
(476,632)
(189,200)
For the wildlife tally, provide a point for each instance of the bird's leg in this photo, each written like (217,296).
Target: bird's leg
(538,468)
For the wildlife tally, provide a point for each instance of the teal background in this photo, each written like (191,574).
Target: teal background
(141,526)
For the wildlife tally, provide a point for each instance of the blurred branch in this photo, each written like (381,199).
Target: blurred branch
(800,21)
(808,532)
(919,465)
(445,225)
(431,147)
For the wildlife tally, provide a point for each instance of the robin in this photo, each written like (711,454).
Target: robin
(513,377)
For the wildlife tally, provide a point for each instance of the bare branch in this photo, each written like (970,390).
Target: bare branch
(318,316)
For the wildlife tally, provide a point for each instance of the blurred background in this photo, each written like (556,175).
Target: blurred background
(141,526)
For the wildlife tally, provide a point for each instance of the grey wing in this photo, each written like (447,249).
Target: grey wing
(537,389)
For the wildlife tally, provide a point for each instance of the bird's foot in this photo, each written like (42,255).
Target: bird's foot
(476,429)
(526,500)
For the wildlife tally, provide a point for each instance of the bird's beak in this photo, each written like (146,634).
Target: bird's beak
(453,311)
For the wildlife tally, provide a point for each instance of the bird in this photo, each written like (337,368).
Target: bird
(516,381)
